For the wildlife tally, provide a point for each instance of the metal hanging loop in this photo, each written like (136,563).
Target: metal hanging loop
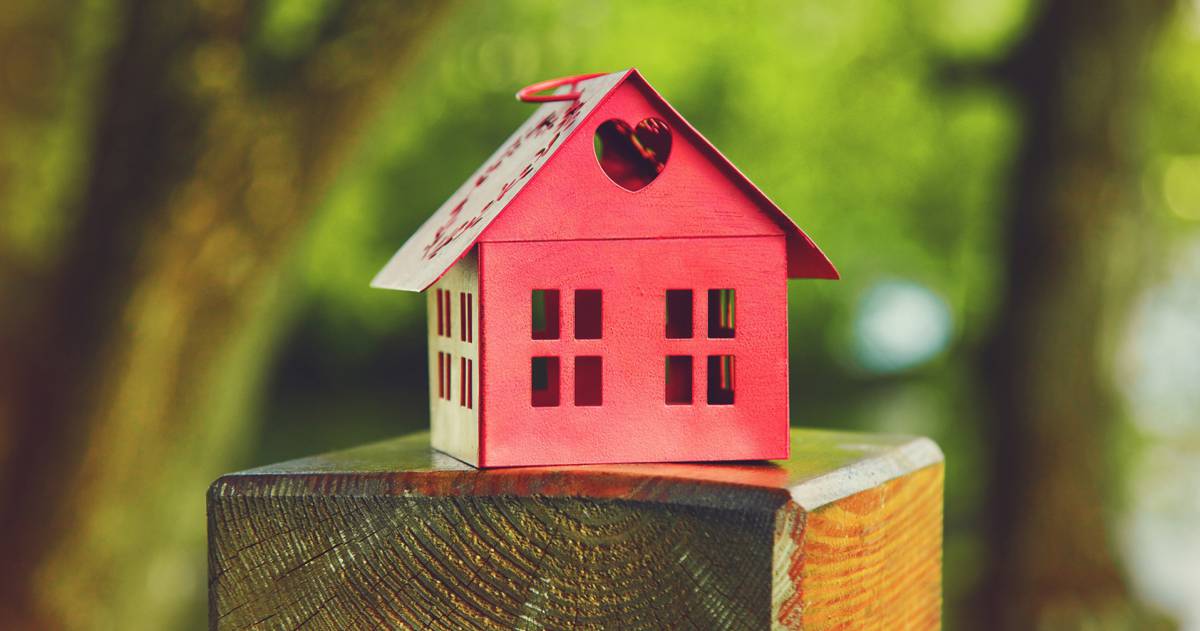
(529,93)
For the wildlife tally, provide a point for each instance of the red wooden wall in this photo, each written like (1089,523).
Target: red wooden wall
(633,422)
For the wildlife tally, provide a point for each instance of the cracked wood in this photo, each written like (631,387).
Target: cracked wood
(846,534)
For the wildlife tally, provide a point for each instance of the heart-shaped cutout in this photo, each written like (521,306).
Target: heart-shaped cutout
(633,156)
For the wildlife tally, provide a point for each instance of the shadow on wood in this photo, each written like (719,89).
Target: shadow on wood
(847,533)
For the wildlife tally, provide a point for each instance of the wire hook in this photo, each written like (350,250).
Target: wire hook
(529,93)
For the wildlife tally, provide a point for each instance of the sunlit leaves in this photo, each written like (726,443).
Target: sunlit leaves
(828,107)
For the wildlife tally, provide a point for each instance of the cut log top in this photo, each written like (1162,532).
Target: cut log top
(844,534)
(825,466)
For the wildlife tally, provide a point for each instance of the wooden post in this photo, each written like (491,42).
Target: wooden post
(845,534)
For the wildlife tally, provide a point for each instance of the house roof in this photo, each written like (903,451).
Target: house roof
(451,231)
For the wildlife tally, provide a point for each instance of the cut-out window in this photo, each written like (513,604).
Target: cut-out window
(545,382)
(589,315)
(466,317)
(462,316)
(679,313)
(441,376)
(720,379)
(720,313)
(679,379)
(441,313)
(466,382)
(632,157)
(462,381)
(445,308)
(589,381)
(545,314)
(445,363)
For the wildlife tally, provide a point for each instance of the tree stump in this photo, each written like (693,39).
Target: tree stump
(845,534)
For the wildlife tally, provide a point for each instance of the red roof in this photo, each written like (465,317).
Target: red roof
(451,231)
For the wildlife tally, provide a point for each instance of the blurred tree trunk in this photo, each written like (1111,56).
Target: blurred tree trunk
(1075,253)
(141,268)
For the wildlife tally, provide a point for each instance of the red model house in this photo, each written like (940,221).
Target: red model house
(607,288)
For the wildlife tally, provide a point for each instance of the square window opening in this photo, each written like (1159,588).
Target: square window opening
(444,364)
(462,316)
(720,379)
(679,313)
(441,376)
(470,379)
(545,314)
(545,382)
(589,381)
(462,382)
(441,313)
(720,313)
(679,379)
(589,317)
(470,318)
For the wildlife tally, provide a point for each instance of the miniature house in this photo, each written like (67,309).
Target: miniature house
(607,288)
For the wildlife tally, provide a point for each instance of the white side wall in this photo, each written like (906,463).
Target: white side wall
(454,427)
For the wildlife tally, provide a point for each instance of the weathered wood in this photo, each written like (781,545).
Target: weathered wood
(846,534)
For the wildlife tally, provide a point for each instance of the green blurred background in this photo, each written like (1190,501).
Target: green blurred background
(194,195)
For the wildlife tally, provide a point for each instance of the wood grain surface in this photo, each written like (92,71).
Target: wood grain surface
(846,534)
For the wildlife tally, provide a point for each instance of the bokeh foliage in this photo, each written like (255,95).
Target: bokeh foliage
(873,123)
(869,122)
(841,113)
